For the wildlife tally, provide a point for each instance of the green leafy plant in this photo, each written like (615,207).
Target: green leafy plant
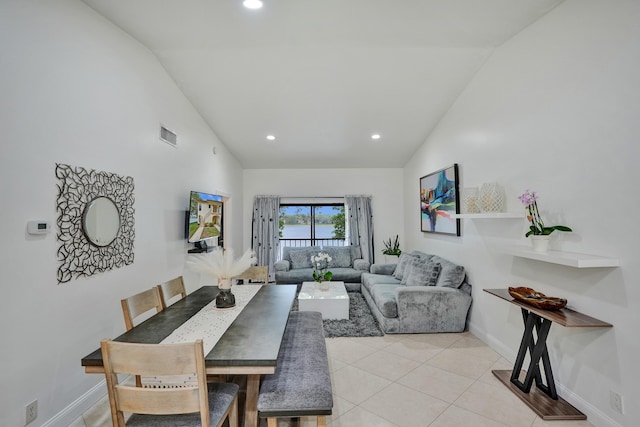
(537,228)
(338,223)
(392,247)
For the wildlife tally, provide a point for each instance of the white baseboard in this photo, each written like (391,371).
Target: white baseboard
(594,415)
(78,407)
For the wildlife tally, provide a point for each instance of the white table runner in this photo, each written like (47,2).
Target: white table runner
(209,324)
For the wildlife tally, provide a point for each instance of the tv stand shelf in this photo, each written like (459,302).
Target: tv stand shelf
(570,259)
(200,251)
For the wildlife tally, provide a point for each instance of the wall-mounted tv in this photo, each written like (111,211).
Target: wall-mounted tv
(205,220)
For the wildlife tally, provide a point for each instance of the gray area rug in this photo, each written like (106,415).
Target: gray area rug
(361,322)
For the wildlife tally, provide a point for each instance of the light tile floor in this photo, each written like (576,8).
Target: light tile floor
(435,380)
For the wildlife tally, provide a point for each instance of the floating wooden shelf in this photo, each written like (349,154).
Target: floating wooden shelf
(570,259)
(488,215)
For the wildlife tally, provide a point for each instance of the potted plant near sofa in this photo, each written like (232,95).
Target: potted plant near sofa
(391,248)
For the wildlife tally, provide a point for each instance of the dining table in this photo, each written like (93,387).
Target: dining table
(248,347)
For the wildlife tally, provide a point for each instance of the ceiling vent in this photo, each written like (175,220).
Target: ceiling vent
(169,137)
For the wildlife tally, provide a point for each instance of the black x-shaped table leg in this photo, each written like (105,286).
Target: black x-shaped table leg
(537,350)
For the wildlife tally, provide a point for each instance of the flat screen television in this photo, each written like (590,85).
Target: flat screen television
(205,220)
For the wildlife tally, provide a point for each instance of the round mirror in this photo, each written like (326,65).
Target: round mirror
(101,221)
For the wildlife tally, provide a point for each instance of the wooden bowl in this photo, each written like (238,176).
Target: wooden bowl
(537,299)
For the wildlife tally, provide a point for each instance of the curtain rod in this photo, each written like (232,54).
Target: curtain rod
(312,197)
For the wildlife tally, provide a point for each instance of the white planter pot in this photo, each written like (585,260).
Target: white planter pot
(390,259)
(540,243)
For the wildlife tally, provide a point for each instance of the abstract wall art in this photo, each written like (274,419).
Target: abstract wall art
(439,201)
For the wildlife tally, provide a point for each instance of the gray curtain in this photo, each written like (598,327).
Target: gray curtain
(265,230)
(361,224)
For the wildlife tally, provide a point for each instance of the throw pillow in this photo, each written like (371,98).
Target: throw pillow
(403,262)
(356,253)
(452,275)
(340,257)
(300,259)
(422,273)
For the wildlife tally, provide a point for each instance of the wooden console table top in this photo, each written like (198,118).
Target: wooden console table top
(543,398)
(565,317)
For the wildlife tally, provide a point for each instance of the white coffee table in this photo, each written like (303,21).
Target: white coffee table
(332,303)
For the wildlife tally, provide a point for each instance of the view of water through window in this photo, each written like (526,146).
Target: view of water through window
(296,220)
(323,231)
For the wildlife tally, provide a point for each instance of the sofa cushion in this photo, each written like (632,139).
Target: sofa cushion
(286,251)
(301,258)
(369,280)
(362,265)
(452,275)
(403,262)
(282,265)
(345,274)
(387,269)
(340,256)
(421,273)
(385,299)
(300,275)
(422,255)
(356,252)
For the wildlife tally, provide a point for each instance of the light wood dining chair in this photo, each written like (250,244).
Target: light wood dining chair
(170,289)
(256,272)
(196,404)
(138,304)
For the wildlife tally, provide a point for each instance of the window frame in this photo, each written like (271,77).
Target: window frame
(313,239)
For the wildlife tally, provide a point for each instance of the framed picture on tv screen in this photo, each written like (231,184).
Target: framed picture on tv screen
(205,219)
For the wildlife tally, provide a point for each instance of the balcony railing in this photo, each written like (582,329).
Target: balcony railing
(302,243)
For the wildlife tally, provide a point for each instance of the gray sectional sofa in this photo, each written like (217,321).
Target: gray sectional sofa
(423,293)
(346,265)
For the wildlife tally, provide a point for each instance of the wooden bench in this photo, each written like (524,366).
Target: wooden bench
(301,385)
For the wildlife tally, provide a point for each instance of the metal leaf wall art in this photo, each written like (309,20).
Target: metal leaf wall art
(78,254)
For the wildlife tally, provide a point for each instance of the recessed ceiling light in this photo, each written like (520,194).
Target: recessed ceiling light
(252,4)
(271,137)
(375,136)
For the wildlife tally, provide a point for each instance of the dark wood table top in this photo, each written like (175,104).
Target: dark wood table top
(565,317)
(252,340)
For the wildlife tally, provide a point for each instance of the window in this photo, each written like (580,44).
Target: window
(312,224)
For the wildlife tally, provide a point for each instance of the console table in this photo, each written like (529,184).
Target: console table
(543,399)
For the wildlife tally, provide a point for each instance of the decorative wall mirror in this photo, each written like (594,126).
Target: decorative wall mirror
(95,221)
(101,221)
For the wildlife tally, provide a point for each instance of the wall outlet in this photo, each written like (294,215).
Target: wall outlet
(616,402)
(31,412)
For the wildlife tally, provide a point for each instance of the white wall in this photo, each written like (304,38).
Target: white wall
(77,90)
(381,184)
(554,110)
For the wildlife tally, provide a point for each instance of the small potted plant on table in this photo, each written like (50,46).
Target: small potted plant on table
(539,233)
(321,274)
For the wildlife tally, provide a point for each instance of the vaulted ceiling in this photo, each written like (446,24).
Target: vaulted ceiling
(322,76)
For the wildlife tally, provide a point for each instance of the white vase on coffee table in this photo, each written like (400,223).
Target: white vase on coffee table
(324,285)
